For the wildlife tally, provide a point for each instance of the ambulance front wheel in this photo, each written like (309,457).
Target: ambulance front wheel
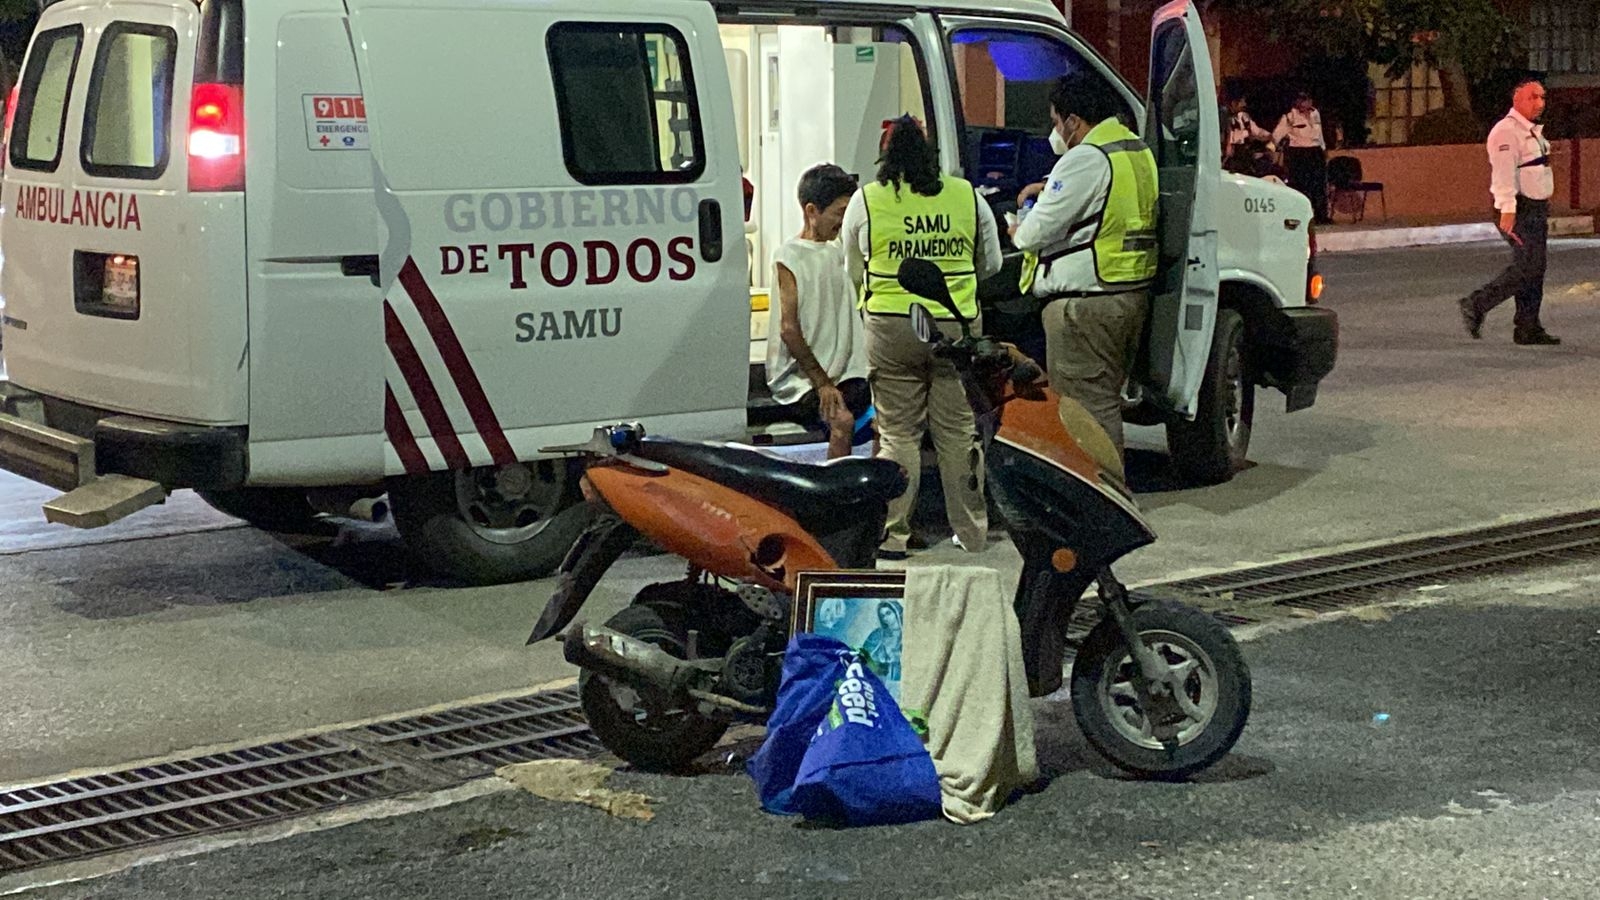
(492,525)
(1216,444)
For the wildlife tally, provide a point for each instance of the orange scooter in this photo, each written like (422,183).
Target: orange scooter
(1159,688)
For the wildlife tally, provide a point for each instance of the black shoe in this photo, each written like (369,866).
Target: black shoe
(1471,318)
(1540,338)
(893,555)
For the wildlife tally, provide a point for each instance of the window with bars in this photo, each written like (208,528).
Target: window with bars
(1399,102)
(1564,37)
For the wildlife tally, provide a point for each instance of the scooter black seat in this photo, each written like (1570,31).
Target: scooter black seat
(804,490)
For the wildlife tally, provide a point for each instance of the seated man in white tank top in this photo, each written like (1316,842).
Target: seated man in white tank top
(816,346)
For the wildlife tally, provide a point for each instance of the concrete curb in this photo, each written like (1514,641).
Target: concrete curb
(1385,238)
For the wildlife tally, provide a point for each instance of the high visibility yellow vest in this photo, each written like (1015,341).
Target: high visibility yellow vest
(942,229)
(1125,244)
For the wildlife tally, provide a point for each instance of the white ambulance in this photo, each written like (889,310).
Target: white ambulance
(305,254)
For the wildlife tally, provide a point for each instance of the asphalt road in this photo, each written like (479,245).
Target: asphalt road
(178,628)
(1483,783)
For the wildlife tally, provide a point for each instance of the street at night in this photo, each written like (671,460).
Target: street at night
(179,629)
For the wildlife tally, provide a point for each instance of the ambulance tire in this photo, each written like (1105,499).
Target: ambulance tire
(1215,445)
(267,508)
(430,519)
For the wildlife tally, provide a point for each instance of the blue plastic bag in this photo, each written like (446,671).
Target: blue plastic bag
(838,748)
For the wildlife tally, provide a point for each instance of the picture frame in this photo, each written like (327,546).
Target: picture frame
(863,608)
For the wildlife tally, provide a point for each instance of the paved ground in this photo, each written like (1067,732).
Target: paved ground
(1482,784)
(176,629)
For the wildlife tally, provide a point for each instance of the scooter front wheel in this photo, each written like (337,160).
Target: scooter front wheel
(1186,731)
(648,731)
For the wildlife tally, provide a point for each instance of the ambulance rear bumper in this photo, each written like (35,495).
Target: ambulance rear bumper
(109,465)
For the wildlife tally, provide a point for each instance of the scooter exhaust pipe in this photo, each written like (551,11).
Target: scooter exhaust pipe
(630,660)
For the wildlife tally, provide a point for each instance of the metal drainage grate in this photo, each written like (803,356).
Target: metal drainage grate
(521,729)
(83,817)
(1341,580)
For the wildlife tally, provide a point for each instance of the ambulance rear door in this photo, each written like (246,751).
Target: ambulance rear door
(1181,127)
(559,200)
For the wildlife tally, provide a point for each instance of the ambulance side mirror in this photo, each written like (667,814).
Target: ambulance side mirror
(925,280)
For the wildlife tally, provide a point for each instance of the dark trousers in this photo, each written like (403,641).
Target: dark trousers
(1308,174)
(1524,278)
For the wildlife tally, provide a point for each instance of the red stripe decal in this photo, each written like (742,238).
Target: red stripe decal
(405,356)
(400,437)
(455,359)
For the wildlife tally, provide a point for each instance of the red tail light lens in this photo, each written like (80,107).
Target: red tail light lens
(216,138)
(11,115)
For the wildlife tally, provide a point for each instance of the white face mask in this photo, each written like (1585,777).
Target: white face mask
(1058,143)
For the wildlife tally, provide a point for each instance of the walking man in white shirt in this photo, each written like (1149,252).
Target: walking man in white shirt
(1307,156)
(1522,183)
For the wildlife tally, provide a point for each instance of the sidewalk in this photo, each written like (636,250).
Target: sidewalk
(1379,234)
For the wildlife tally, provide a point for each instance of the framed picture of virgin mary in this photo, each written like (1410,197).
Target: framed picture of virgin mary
(864,609)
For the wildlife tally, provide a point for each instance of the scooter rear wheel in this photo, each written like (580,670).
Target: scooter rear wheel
(1204,660)
(649,732)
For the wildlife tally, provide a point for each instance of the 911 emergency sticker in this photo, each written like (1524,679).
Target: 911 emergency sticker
(336,122)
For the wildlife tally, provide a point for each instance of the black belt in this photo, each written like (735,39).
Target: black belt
(1522,199)
(1534,163)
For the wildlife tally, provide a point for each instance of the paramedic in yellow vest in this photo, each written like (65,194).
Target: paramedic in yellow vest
(1091,250)
(913,210)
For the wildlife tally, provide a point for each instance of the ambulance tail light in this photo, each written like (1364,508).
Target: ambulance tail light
(11,115)
(216,137)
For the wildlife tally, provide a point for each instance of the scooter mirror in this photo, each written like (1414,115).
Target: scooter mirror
(923,324)
(924,279)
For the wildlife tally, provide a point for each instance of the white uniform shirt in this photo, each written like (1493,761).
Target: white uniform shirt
(1241,128)
(987,258)
(1519,158)
(1302,129)
(1067,214)
(829,323)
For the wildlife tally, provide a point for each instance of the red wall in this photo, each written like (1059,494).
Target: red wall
(1452,182)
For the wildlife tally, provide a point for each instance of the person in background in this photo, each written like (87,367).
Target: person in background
(817,365)
(1241,130)
(1522,183)
(1307,155)
(1092,250)
(914,210)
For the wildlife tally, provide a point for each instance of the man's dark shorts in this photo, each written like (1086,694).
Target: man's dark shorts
(807,411)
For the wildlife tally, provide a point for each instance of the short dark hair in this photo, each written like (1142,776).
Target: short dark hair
(822,185)
(1086,96)
(1524,81)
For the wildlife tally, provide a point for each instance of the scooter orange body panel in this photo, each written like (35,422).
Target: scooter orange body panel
(712,526)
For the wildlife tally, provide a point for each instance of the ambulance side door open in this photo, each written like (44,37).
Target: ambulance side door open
(560,222)
(1182,129)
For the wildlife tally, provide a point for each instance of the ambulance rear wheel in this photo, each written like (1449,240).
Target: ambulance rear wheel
(267,508)
(492,525)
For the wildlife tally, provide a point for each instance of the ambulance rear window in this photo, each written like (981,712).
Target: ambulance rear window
(625,95)
(128,123)
(46,87)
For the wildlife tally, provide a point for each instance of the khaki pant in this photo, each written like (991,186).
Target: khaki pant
(1090,343)
(915,393)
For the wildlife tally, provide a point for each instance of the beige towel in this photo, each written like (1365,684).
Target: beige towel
(963,670)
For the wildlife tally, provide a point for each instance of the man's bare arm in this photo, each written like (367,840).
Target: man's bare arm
(790,333)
